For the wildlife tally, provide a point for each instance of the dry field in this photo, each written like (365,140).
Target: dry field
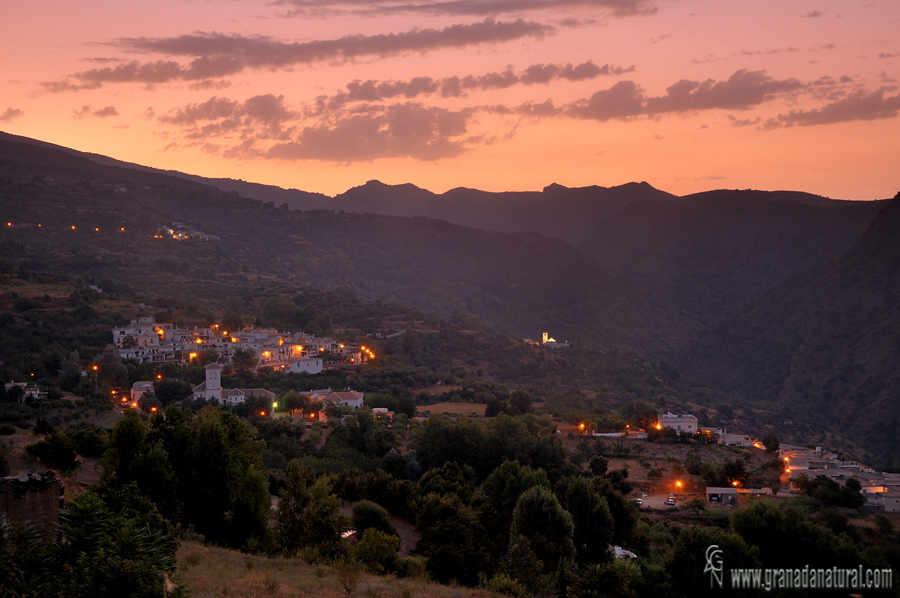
(457,409)
(212,572)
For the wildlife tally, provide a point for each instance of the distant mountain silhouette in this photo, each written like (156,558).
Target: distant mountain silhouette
(823,347)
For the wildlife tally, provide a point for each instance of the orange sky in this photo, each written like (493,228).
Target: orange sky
(323,95)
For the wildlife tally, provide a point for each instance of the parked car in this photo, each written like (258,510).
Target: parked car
(638,502)
(670,501)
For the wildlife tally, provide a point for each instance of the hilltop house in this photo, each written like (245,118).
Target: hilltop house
(28,391)
(683,423)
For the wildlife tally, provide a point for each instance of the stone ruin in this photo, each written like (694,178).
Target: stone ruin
(34,498)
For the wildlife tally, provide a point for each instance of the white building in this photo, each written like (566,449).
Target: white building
(684,423)
(308,365)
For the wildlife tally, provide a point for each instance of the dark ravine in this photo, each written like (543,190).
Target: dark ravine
(823,346)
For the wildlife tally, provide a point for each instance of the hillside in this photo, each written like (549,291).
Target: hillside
(825,346)
(521,283)
(711,253)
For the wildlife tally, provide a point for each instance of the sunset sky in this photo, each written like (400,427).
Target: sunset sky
(323,95)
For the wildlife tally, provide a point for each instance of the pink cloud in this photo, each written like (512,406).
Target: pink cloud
(402,130)
(10,115)
(860,105)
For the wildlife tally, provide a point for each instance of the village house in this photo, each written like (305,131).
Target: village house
(140,389)
(30,392)
(686,424)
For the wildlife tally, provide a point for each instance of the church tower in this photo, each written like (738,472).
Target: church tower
(214,381)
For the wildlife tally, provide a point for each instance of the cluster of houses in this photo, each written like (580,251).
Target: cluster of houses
(148,341)
(180,232)
(881,490)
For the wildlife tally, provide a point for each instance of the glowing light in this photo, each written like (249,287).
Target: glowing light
(658,426)
(134,404)
(123,230)
(199,341)
(153,409)
(678,483)
(734,483)
(73,227)
(93,367)
(262,413)
(159,376)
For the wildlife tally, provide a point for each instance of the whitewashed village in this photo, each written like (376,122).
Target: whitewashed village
(147,341)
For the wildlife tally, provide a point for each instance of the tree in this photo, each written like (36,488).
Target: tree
(171,390)
(452,539)
(370,515)
(598,465)
(592,520)
(289,522)
(324,522)
(56,450)
(541,551)
(686,563)
(497,500)
(111,369)
(640,415)
(519,402)
(376,550)
(771,442)
(244,360)
(109,546)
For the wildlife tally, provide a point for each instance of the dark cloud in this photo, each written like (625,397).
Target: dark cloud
(403,130)
(543,109)
(618,8)
(885,55)
(813,14)
(742,90)
(659,38)
(623,100)
(10,115)
(860,105)
(378,91)
(217,55)
(87,111)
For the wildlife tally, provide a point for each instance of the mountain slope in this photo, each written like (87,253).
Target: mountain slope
(522,283)
(825,345)
(710,253)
